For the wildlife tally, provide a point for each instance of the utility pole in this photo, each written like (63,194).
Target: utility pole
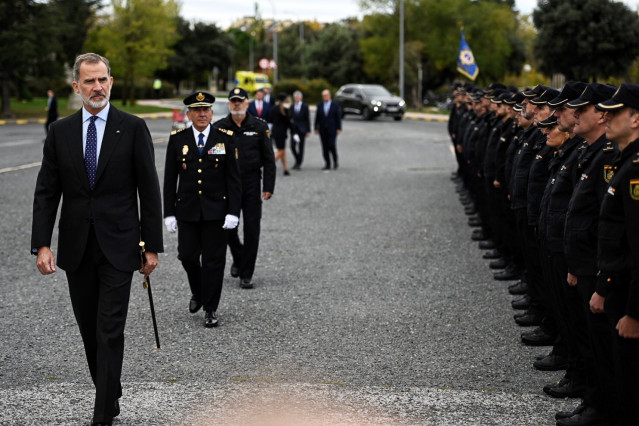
(401,49)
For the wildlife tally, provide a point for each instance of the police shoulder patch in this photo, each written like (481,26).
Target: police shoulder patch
(634,189)
(636,159)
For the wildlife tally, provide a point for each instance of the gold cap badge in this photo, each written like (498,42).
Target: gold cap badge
(199,97)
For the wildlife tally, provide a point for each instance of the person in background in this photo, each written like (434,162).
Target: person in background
(328,124)
(52,110)
(281,124)
(300,128)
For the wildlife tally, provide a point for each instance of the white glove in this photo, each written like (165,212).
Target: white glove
(171,223)
(230,221)
(296,138)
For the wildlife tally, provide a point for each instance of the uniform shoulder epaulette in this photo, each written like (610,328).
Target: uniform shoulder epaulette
(226,131)
(609,147)
(174,132)
(636,159)
(261,119)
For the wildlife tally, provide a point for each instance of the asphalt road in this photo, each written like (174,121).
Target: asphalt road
(372,306)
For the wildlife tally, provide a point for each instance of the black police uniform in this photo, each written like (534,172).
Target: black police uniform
(257,168)
(580,247)
(619,270)
(200,189)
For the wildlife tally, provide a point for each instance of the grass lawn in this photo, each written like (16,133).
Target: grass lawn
(36,108)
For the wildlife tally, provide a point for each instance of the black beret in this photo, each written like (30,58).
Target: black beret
(593,94)
(238,93)
(626,96)
(571,91)
(199,99)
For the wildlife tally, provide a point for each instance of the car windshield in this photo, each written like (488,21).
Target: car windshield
(261,79)
(375,91)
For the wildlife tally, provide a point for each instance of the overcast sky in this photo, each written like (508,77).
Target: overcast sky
(225,12)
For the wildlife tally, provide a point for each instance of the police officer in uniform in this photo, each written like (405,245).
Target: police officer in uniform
(257,167)
(619,246)
(202,196)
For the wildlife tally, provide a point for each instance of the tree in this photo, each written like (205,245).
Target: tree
(23,44)
(335,56)
(201,47)
(136,39)
(432,32)
(586,39)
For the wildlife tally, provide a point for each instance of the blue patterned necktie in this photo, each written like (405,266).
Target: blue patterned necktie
(91,151)
(200,144)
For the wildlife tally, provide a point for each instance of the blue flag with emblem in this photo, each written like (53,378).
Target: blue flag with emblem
(466,60)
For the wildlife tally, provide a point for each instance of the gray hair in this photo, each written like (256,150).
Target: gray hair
(91,58)
(297,92)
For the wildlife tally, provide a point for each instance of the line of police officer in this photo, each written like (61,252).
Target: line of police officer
(550,180)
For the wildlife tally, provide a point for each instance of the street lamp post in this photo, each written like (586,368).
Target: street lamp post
(274,44)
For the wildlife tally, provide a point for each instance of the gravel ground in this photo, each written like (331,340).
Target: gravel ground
(372,306)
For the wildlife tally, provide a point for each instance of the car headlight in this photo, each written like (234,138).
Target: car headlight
(376,103)
(402,103)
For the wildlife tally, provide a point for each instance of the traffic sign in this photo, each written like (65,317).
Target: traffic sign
(263,63)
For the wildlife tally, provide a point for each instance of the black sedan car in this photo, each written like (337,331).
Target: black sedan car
(369,101)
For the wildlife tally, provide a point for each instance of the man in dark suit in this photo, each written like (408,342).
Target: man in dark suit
(100,161)
(301,129)
(328,124)
(202,196)
(259,107)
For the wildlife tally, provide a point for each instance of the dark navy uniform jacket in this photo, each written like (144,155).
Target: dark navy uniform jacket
(582,217)
(559,188)
(206,186)
(619,226)
(255,148)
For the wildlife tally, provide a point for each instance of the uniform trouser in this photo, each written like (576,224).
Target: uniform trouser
(329,147)
(100,299)
(298,149)
(202,250)
(601,385)
(496,216)
(568,313)
(481,202)
(245,255)
(625,353)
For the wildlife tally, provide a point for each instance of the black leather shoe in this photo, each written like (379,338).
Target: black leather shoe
(491,254)
(500,263)
(470,210)
(235,271)
(194,305)
(486,245)
(562,382)
(521,303)
(287,173)
(335,166)
(478,235)
(589,416)
(475,222)
(520,287)
(327,167)
(246,283)
(537,337)
(510,273)
(528,319)
(568,389)
(566,414)
(116,408)
(551,363)
(210,319)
